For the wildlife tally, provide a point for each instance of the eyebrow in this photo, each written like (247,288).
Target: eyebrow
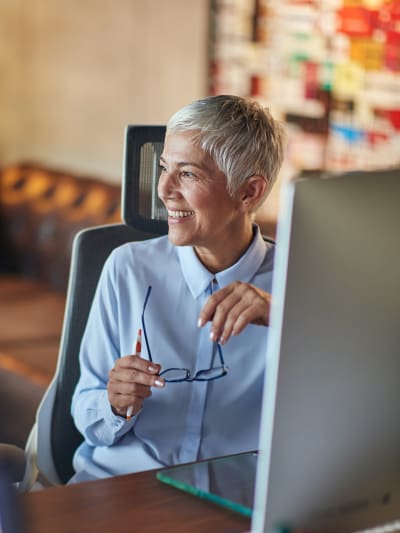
(185,163)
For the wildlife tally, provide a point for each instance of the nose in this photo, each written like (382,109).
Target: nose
(168,185)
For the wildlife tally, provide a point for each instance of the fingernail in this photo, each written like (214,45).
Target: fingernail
(222,340)
(159,383)
(200,323)
(151,368)
(212,336)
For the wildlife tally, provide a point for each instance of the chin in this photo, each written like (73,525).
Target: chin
(178,239)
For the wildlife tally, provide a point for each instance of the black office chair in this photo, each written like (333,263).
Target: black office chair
(48,454)
(49,451)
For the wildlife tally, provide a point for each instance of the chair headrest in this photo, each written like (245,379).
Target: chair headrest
(141,207)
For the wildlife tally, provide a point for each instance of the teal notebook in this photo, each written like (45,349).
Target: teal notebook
(227,481)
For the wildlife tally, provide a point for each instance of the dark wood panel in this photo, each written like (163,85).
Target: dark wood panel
(133,503)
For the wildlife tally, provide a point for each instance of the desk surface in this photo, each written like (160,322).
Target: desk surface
(131,503)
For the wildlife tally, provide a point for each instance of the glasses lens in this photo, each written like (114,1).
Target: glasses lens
(212,373)
(175,374)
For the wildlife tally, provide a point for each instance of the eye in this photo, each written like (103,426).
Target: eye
(186,174)
(162,168)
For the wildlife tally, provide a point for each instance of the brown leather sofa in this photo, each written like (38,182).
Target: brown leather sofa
(41,210)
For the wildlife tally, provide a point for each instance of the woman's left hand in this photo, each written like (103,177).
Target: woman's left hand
(232,308)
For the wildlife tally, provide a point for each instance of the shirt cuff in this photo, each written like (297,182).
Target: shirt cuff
(115,422)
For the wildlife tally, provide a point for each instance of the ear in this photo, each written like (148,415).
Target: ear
(251,192)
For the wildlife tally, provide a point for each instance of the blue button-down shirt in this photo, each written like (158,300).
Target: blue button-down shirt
(184,421)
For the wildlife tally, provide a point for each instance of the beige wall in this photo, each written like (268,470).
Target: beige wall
(73,74)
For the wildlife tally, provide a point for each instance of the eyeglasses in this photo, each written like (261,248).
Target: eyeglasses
(176,375)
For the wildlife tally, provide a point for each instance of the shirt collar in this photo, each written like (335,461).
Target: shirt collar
(198,277)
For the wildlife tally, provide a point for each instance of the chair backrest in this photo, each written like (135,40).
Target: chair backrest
(56,437)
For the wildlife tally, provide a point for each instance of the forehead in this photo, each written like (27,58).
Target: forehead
(180,148)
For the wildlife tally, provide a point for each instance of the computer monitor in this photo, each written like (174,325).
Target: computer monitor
(329,455)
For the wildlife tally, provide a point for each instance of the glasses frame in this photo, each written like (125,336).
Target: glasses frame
(188,378)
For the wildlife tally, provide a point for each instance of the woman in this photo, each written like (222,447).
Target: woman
(190,394)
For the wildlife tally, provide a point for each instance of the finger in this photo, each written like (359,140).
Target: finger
(225,316)
(131,376)
(209,308)
(134,368)
(251,311)
(130,390)
(120,407)
(122,395)
(230,324)
(245,304)
(138,363)
(249,315)
(227,308)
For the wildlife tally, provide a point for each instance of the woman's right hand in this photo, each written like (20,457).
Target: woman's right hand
(130,382)
(232,308)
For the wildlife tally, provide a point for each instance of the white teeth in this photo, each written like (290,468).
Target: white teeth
(180,214)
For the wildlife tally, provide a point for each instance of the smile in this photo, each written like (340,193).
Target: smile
(180,214)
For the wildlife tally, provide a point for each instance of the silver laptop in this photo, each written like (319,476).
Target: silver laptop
(329,455)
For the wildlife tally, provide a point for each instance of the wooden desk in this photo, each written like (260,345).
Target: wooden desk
(131,503)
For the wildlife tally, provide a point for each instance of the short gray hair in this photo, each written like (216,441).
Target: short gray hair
(239,134)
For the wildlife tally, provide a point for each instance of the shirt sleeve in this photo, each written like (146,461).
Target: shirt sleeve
(100,348)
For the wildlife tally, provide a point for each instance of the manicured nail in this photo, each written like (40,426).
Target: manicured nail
(222,340)
(159,383)
(200,323)
(151,368)
(212,336)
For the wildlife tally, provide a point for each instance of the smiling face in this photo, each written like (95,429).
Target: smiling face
(201,213)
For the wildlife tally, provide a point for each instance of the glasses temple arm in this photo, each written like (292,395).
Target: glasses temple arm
(220,354)
(144,326)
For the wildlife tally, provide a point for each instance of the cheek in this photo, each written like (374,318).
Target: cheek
(196,197)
